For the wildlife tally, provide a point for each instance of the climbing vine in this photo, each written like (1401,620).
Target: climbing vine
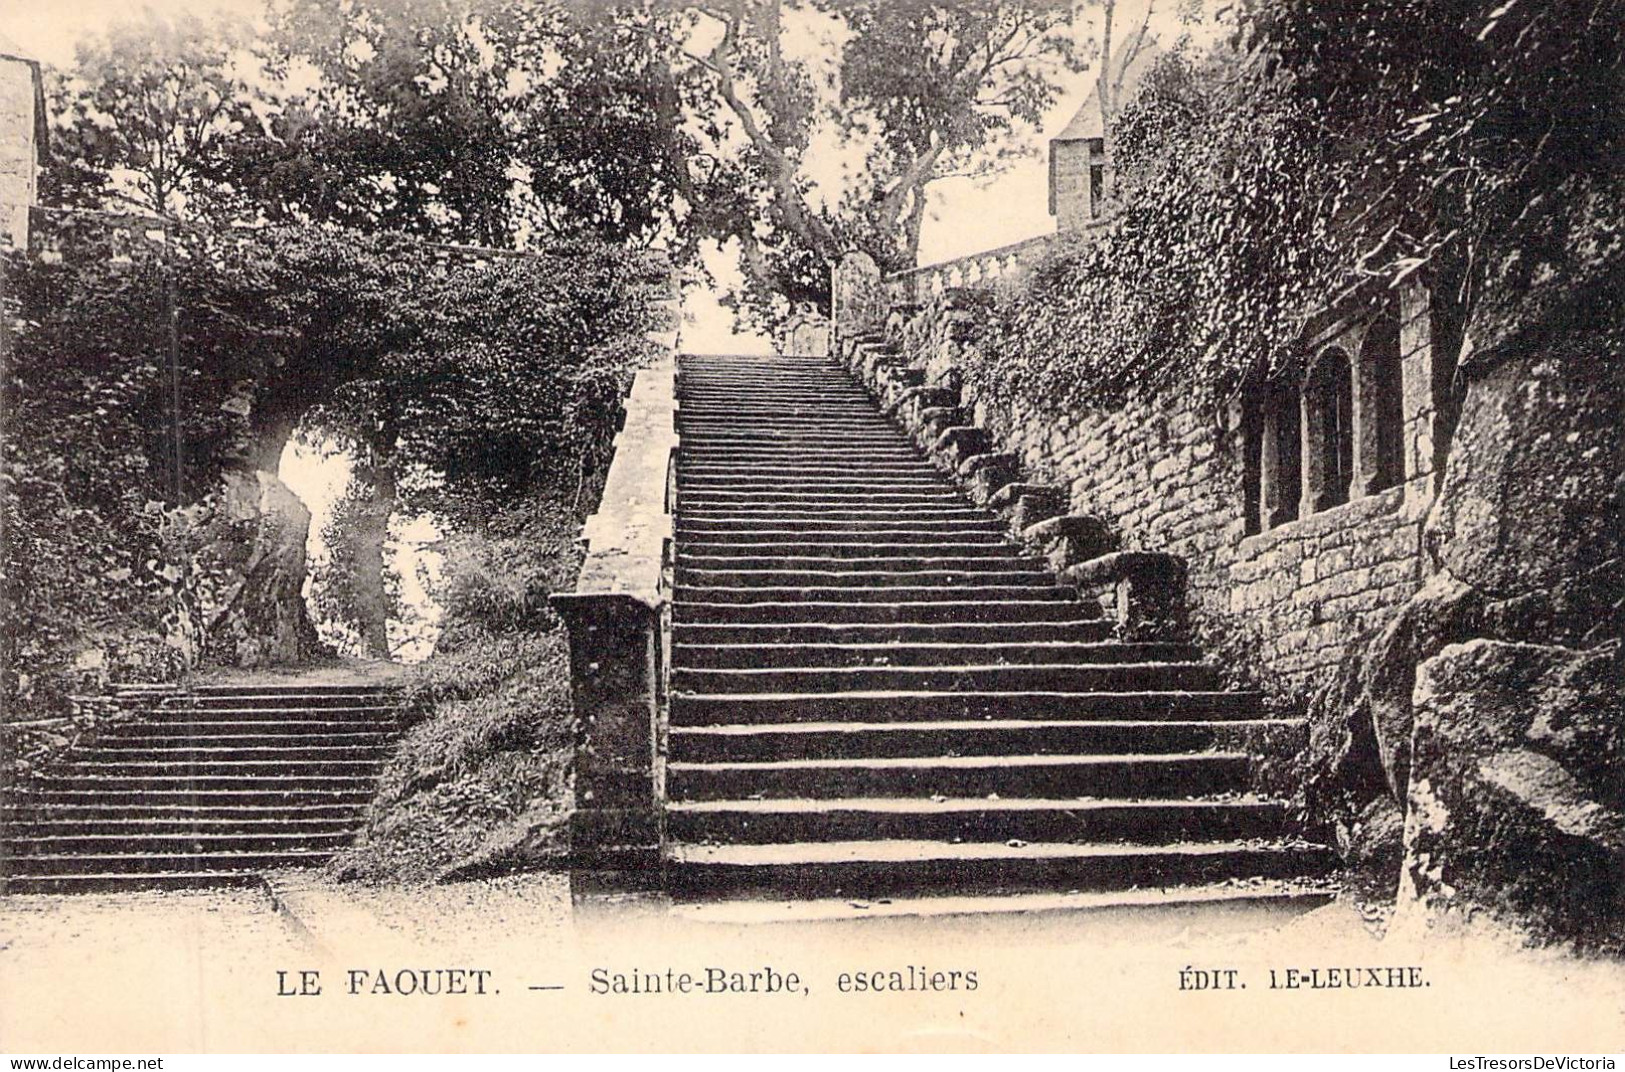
(1324,150)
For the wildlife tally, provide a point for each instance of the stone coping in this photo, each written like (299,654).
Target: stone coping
(626,540)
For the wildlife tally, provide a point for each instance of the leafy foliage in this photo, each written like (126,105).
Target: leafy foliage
(479,783)
(147,112)
(1326,151)
(509,124)
(501,379)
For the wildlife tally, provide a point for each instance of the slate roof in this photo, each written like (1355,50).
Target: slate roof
(1086,122)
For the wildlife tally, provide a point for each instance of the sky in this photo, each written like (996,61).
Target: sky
(963,216)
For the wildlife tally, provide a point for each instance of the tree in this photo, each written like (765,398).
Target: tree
(949,85)
(494,122)
(144,115)
(931,87)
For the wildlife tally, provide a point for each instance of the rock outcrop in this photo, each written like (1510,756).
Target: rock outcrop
(257,539)
(1516,796)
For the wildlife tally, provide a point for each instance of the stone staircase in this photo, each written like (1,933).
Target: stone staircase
(210,787)
(876,693)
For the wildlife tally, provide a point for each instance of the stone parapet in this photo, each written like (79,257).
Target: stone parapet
(618,618)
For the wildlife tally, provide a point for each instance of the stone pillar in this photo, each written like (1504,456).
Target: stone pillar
(1279,468)
(616,688)
(22,126)
(858,296)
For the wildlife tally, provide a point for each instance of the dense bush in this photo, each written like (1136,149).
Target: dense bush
(1328,148)
(479,783)
(496,378)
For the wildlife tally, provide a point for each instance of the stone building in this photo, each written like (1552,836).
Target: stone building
(23,140)
(1078,167)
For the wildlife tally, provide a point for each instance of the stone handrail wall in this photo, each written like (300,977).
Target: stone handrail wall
(618,618)
(626,539)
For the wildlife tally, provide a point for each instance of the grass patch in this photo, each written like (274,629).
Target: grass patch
(479,784)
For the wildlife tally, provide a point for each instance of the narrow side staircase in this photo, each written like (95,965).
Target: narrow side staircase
(206,788)
(876,693)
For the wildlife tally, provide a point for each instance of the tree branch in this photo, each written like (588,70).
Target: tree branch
(792,207)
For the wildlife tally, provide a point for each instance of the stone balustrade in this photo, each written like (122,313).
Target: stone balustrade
(984,269)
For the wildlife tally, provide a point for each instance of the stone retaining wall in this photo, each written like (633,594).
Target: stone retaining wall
(1167,474)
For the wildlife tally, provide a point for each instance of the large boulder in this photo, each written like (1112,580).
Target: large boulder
(1444,612)
(1530,510)
(1516,796)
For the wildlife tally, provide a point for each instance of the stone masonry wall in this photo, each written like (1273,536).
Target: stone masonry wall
(1167,476)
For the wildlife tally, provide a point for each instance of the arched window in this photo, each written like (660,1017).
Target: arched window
(1279,462)
(1379,416)
(1253,397)
(1328,432)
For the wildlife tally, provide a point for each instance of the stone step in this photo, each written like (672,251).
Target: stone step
(72,781)
(813,475)
(24,847)
(1012,561)
(769,491)
(204,749)
(869,869)
(690,593)
(141,797)
(352,716)
(1079,630)
(696,656)
(262,726)
(986,737)
(201,787)
(207,768)
(961,819)
(126,863)
(699,420)
(302,690)
(875,689)
(95,814)
(860,578)
(129,881)
(286,822)
(1140,775)
(898,705)
(742,419)
(769,457)
(758,514)
(1124,677)
(863,551)
(768,498)
(789,438)
(777,524)
(248,698)
(857,612)
(787,532)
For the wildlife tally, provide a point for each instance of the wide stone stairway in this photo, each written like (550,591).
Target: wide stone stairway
(210,787)
(875,692)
